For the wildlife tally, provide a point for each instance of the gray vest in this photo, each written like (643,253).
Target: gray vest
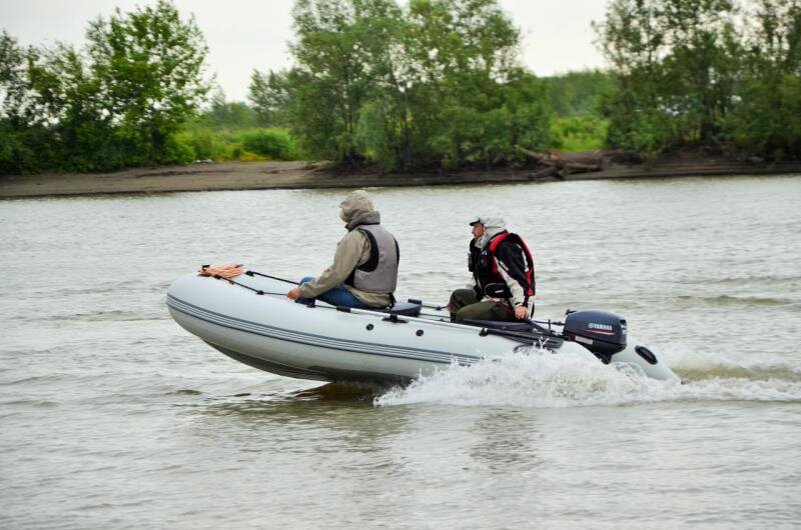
(379,274)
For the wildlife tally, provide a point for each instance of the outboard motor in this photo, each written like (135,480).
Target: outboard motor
(604,334)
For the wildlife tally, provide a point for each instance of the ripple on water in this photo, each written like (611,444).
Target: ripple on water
(743,301)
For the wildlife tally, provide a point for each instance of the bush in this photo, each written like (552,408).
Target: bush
(18,153)
(581,133)
(272,143)
(176,152)
(202,142)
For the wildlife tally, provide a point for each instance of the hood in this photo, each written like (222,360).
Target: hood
(357,209)
(492,227)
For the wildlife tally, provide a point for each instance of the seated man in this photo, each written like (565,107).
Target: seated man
(365,269)
(502,286)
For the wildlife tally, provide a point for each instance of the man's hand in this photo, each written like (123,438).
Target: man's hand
(294,294)
(521,312)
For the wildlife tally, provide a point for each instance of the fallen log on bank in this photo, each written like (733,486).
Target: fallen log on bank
(562,164)
(546,173)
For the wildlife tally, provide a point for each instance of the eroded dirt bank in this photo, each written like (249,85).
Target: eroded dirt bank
(299,175)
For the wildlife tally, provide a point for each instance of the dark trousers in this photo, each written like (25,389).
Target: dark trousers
(464,304)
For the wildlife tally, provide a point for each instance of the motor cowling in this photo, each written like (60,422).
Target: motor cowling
(603,333)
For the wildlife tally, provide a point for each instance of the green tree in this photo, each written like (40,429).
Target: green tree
(384,132)
(117,104)
(434,84)
(14,83)
(633,41)
(229,114)
(16,112)
(767,120)
(464,51)
(676,64)
(703,64)
(269,96)
(149,65)
(68,99)
(334,74)
(579,93)
(527,107)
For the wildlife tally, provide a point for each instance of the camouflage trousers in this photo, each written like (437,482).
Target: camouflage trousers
(464,304)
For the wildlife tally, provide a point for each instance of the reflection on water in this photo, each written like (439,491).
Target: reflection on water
(328,392)
(338,413)
(342,392)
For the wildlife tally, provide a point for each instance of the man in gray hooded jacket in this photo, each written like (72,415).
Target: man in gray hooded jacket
(365,268)
(502,284)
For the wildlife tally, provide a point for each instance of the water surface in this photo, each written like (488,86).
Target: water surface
(111,416)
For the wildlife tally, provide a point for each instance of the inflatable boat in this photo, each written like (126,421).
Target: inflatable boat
(249,319)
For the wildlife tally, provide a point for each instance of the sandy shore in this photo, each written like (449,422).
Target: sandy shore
(299,175)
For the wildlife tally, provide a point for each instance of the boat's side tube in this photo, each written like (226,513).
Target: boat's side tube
(641,358)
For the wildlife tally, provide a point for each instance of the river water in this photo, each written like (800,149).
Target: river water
(111,416)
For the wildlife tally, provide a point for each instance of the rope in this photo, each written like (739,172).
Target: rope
(248,287)
(436,307)
(512,335)
(252,273)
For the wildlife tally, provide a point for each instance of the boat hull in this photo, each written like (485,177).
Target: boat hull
(271,333)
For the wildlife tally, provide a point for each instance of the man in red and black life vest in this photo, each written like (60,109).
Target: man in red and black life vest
(502,286)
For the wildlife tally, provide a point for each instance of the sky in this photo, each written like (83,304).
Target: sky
(243,35)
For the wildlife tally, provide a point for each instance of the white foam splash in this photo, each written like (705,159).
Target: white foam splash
(545,380)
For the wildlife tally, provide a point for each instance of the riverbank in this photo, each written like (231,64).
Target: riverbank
(300,175)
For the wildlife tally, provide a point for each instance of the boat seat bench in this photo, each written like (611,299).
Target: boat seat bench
(407,309)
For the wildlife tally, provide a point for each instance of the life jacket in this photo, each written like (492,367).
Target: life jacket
(379,274)
(514,254)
